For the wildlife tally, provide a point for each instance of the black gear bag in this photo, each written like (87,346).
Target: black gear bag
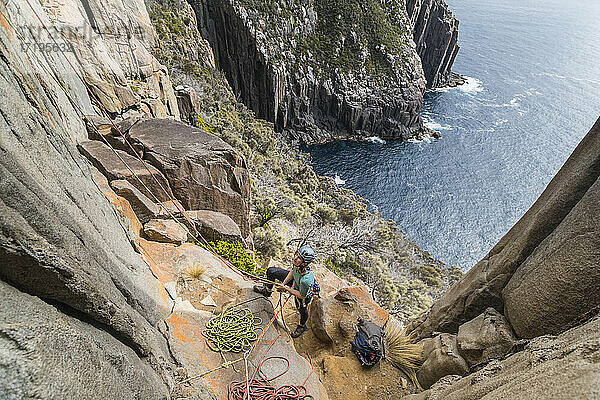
(368,342)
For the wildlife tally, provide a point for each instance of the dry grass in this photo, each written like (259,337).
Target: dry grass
(194,271)
(401,350)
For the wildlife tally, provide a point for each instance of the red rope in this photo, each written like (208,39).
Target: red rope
(261,388)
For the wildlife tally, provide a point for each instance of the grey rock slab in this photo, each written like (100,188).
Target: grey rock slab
(126,167)
(47,354)
(59,237)
(560,281)
(142,206)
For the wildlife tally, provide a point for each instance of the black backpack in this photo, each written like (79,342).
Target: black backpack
(368,342)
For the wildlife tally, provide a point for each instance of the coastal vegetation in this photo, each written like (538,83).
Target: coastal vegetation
(340,36)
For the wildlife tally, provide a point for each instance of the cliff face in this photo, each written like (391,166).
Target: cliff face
(320,69)
(435,33)
(78,287)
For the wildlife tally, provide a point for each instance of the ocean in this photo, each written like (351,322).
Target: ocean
(533,92)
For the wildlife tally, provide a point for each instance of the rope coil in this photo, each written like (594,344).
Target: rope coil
(232,330)
(261,388)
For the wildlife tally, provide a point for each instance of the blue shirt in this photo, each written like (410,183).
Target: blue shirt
(303,283)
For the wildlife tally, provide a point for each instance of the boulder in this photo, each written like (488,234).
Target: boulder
(165,231)
(143,207)
(545,238)
(103,130)
(560,367)
(113,167)
(203,170)
(170,209)
(47,354)
(485,337)
(333,318)
(441,358)
(97,126)
(213,226)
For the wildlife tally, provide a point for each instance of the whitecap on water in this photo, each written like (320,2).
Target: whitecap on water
(375,139)
(338,180)
(422,139)
(472,85)
(429,122)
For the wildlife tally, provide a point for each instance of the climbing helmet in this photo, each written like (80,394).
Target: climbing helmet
(307,254)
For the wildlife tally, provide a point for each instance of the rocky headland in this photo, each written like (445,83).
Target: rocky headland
(328,69)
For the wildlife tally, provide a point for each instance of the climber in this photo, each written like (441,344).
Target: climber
(300,280)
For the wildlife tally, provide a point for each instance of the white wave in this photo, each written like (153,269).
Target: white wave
(473,85)
(338,180)
(500,122)
(429,122)
(375,139)
(422,139)
(436,126)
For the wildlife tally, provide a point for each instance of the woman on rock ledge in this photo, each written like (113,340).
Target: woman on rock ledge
(298,281)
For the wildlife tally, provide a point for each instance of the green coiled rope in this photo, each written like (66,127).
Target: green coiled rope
(231,330)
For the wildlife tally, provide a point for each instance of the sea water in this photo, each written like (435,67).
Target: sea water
(533,92)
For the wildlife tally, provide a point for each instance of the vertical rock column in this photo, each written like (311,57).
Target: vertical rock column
(435,33)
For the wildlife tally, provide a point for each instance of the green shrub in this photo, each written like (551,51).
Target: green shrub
(430,275)
(201,123)
(342,263)
(327,214)
(237,255)
(333,267)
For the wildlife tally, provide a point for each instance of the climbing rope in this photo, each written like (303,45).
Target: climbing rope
(261,388)
(231,330)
